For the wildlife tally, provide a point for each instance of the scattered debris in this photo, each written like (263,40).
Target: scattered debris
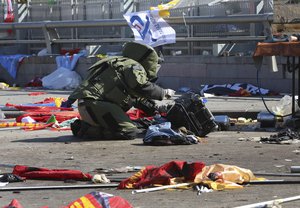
(286,136)
(100,178)
(119,170)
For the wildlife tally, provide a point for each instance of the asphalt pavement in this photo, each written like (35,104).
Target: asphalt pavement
(60,150)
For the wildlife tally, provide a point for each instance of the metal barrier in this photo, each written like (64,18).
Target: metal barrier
(52,38)
(77,23)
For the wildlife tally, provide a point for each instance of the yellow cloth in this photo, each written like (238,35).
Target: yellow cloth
(58,101)
(164,8)
(231,176)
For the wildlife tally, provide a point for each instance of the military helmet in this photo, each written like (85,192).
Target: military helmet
(145,55)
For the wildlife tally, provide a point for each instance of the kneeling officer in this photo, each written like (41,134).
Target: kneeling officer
(112,87)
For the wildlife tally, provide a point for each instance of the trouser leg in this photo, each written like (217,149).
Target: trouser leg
(108,117)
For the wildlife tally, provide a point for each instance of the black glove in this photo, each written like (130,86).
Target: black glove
(146,105)
(67,104)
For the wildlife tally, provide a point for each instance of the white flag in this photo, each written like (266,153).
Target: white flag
(149,28)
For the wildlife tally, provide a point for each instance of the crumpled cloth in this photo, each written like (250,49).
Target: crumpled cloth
(229,176)
(45,173)
(163,175)
(162,134)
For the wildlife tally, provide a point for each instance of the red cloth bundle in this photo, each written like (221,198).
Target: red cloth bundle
(151,175)
(44,173)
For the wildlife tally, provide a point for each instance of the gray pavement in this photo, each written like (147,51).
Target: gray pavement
(60,150)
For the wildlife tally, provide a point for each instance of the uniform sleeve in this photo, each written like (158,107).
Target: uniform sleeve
(150,91)
(136,79)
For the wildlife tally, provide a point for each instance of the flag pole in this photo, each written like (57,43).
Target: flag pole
(146,190)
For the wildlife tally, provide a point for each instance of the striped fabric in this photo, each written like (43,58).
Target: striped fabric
(99,200)
(92,200)
(19,124)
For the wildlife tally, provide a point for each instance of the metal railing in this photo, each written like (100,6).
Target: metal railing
(53,41)
(77,23)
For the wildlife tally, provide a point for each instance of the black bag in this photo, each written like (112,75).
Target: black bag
(190,111)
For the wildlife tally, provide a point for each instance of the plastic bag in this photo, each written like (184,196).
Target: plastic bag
(284,107)
(62,78)
(3,86)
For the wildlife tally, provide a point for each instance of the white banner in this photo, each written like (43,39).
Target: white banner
(149,28)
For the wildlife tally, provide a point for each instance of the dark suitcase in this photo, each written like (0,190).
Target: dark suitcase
(190,111)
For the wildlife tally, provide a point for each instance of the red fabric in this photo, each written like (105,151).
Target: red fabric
(38,108)
(9,18)
(240,93)
(9,15)
(119,202)
(43,116)
(70,52)
(14,204)
(44,173)
(162,175)
(36,93)
(36,82)
(135,114)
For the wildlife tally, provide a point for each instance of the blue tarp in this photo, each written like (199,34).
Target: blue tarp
(67,61)
(11,63)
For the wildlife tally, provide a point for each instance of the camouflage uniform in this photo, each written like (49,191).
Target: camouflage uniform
(112,88)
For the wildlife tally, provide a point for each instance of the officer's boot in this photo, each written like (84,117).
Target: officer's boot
(84,128)
(79,128)
(75,127)
(94,132)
